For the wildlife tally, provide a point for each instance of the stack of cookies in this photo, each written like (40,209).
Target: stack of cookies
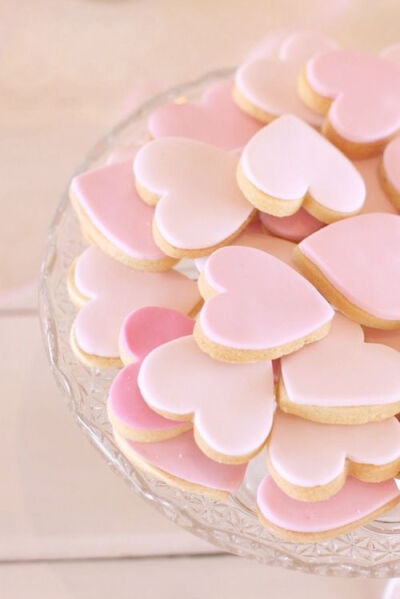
(283,187)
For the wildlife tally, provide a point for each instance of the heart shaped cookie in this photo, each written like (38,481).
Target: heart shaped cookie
(181,463)
(341,379)
(257,307)
(355,264)
(114,217)
(310,461)
(266,83)
(293,228)
(288,165)
(356,504)
(360,95)
(108,291)
(199,205)
(141,332)
(216,120)
(231,405)
(390,171)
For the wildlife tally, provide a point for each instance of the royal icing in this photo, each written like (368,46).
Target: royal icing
(200,204)
(114,290)
(342,370)
(142,331)
(391,163)
(291,162)
(365,93)
(231,405)
(216,120)
(355,501)
(294,228)
(181,458)
(260,303)
(268,78)
(359,257)
(108,197)
(310,454)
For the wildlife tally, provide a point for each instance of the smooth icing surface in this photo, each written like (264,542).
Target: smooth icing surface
(142,331)
(391,163)
(114,290)
(108,197)
(261,302)
(216,120)
(365,90)
(200,203)
(288,159)
(360,257)
(233,404)
(256,238)
(268,77)
(354,501)
(294,228)
(309,454)
(342,370)
(182,458)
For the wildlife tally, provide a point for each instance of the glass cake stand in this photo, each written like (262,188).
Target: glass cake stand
(372,550)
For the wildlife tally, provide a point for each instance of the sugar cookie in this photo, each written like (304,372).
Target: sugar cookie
(266,82)
(390,171)
(216,120)
(341,379)
(360,95)
(141,332)
(231,405)
(310,461)
(293,228)
(114,217)
(180,463)
(199,205)
(356,504)
(288,165)
(108,291)
(256,307)
(354,264)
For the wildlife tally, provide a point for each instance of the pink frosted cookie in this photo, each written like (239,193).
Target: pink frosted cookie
(108,291)
(114,217)
(257,307)
(369,452)
(299,521)
(266,82)
(294,228)
(390,171)
(231,405)
(199,205)
(288,165)
(354,264)
(180,462)
(216,120)
(359,94)
(142,331)
(341,379)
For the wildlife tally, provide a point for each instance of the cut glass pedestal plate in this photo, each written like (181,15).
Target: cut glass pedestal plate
(372,550)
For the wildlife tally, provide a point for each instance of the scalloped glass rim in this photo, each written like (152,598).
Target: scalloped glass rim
(373,550)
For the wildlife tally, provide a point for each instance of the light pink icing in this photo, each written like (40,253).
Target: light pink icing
(342,370)
(114,290)
(181,458)
(390,338)
(142,331)
(294,228)
(108,197)
(256,238)
(261,302)
(233,404)
(295,444)
(201,204)
(355,501)
(365,90)
(216,121)
(268,78)
(391,163)
(288,158)
(359,256)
